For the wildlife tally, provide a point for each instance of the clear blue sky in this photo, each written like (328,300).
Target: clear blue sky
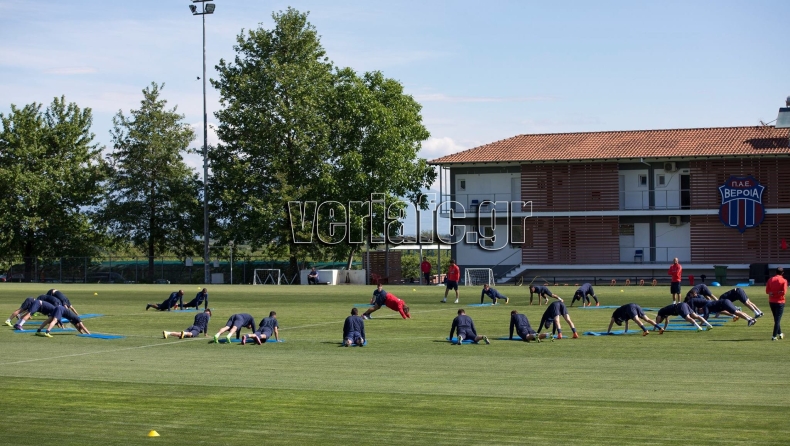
(483,71)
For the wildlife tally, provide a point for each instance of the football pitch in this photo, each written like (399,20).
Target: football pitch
(729,385)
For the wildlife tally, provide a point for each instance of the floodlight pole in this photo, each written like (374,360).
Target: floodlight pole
(206,266)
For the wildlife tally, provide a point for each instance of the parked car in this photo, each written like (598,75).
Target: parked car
(162,282)
(103,277)
(2,277)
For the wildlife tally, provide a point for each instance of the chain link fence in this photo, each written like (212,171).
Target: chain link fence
(126,269)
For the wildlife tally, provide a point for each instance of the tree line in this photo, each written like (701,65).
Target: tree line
(292,127)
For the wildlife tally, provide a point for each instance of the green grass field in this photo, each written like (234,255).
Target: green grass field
(408,386)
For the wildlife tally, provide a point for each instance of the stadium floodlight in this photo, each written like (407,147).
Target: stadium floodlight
(208,8)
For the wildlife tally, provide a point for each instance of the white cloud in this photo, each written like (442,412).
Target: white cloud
(437,147)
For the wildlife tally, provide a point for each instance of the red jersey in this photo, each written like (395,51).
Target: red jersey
(676,271)
(425,266)
(454,273)
(393,303)
(776,288)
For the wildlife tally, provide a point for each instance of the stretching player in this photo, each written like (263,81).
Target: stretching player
(170,302)
(727,307)
(633,312)
(268,327)
(583,294)
(683,310)
(466,329)
(20,312)
(702,290)
(354,329)
(543,292)
(38,306)
(199,325)
(552,316)
(739,295)
(61,312)
(493,294)
(452,278)
(382,298)
(523,328)
(200,298)
(63,299)
(234,324)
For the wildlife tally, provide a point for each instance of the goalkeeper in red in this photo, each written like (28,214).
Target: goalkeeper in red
(382,298)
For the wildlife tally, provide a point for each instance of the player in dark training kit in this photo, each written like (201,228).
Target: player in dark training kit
(493,294)
(354,329)
(199,325)
(235,323)
(739,295)
(170,302)
(632,312)
(552,317)
(702,290)
(523,328)
(61,312)
(21,311)
(583,294)
(268,327)
(63,299)
(683,310)
(466,329)
(200,298)
(543,292)
(726,306)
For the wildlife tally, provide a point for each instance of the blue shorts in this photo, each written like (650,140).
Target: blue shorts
(236,321)
(739,295)
(467,334)
(525,333)
(674,288)
(264,332)
(452,285)
(354,337)
(194,329)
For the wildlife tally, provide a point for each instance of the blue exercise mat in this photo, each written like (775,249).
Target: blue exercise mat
(742,285)
(100,336)
(481,305)
(190,310)
(681,328)
(249,341)
(54,330)
(355,345)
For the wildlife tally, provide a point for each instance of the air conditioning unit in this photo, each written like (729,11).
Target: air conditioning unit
(674,220)
(670,167)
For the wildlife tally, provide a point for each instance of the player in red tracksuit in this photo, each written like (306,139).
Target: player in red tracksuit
(776,288)
(676,272)
(382,298)
(453,276)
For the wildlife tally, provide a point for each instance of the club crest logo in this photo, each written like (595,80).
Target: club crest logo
(742,203)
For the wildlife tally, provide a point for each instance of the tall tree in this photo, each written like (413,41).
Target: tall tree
(293,128)
(273,128)
(377,132)
(153,197)
(50,172)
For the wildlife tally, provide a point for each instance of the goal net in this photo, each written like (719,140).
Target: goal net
(479,276)
(266,277)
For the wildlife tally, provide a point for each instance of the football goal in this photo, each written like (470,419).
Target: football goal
(266,277)
(479,276)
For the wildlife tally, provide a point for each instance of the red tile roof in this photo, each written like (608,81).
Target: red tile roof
(674,143)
